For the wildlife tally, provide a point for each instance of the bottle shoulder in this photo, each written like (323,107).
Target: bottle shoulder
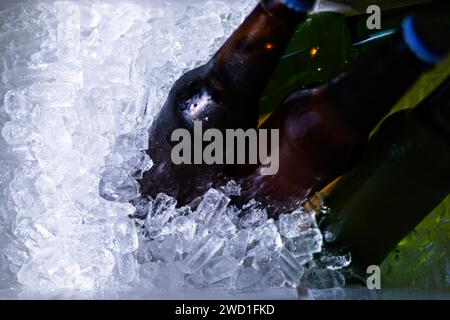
(310,112)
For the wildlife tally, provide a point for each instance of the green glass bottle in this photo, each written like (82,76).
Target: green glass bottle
(329,41)
(403,175)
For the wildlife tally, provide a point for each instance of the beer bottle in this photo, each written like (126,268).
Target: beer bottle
(324,130)
(402,176)
(222,94)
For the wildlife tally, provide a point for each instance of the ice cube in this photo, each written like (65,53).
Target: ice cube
(126,269)
(237,245)
(292,269)
(16,105)
(246,278)
(292,225)
(169,277)
(223,226)
(117,185)
(13,248)
(139,164)
(163,209)
(335,260)
(164,248)
(266,236)
(7,277)
(274,279)
(125,234)
(142,205)
(219,268)
(214,204)
(131,142)
(231,189)
(33,234)
(16,133)
(307,242)
(184,230)
(254,215)
(143,252)
(201,253)
(264,260)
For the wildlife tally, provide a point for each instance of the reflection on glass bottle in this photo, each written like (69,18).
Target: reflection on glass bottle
(403,175)
(324,130)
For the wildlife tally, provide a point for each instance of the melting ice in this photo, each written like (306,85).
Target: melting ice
(80,83)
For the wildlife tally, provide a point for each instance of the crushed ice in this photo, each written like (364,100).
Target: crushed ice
(80,83)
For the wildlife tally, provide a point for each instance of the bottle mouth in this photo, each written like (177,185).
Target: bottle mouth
(300,5)
(426,39)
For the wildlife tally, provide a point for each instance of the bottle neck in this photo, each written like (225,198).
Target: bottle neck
(246,62)
(365,94)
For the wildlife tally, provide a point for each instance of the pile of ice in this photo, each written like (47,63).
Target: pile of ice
(213,244)
(81,81)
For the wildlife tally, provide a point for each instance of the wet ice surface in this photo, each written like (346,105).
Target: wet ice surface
(81,82)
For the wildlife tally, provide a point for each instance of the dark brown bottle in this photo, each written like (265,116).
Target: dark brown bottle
(222,94)
(324,130)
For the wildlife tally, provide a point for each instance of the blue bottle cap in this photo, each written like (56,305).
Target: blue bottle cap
(419,44)
(300,5)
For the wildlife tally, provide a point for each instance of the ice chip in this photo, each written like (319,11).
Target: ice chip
(117,185)
(246,278)
(307,242)
(219,268)
(33,234)
(16,105)
(292,269)
(293,224)
(16,133)
(237,245)
(142,206)
(162,210)
(184,230)
(126,235)
(231,189)
(201,253)
(132,142)
(223,226)
(169,277)
(7,277)
(126,269)
(254,215)
(139,164)
(13,248)
(266,236)
(214,204)
(274,279)
(335,260)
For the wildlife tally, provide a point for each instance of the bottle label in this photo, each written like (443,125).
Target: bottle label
(417,46)
(300,5)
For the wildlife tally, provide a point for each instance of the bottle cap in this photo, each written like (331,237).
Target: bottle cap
(300,5)
(426,39)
